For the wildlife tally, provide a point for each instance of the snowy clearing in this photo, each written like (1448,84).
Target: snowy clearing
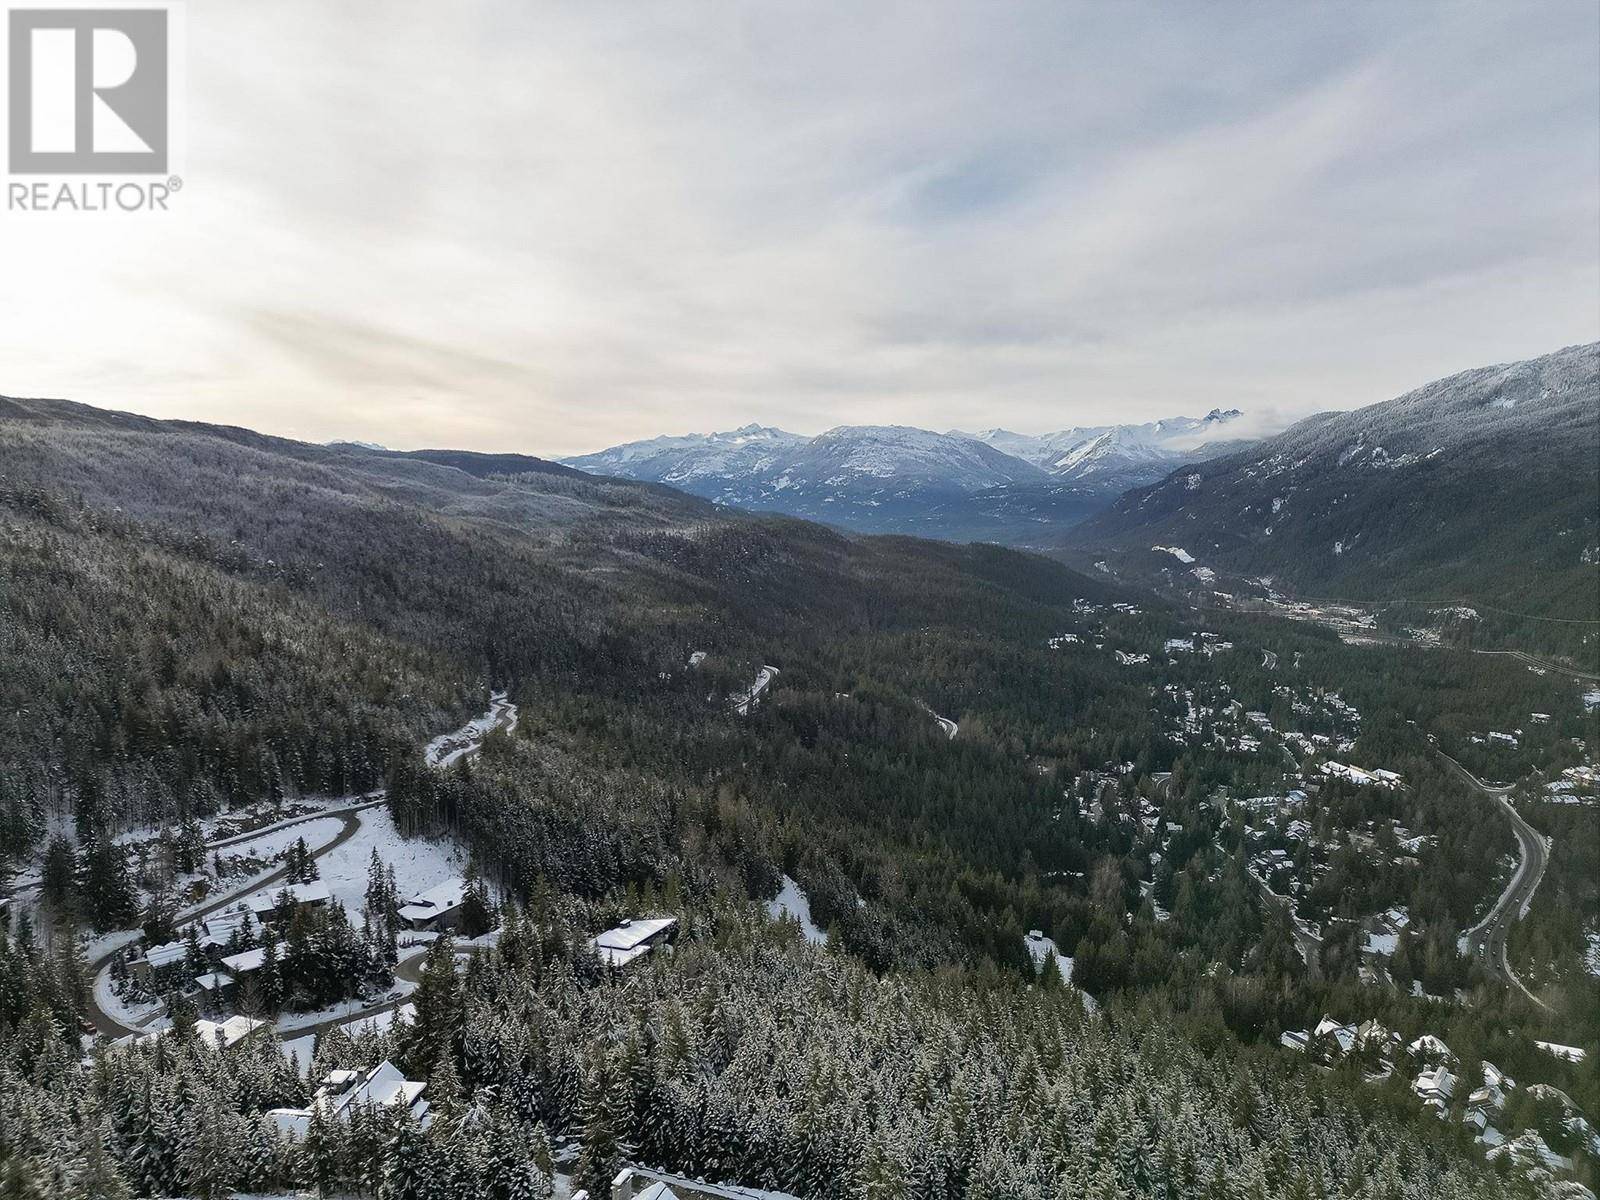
(743,702)
(1041,947)
(448,747)
(419,864)
(792,902)
(271,844)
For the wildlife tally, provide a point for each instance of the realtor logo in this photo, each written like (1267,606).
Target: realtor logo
(88,91)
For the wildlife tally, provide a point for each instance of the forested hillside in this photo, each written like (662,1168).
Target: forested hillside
(1483,488)
(194,619)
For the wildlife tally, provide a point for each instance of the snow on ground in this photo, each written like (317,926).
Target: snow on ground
(354,1011)
(1177,552)
(448,747)
(1040,947)
(271,844)
(134,1015)
(792,902)
(419,863)
(1382,943)
(742,703)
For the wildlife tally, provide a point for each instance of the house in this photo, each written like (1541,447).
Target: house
(1344,1035)
(1503,739)
(1528,1149)
(264,905)
(437,910)
(218,1034)
(1434,1088)
(640,1183)
(1372,1033)
(1294,1039)
(345,1092)
(1573,1054)
(245,962)
(1491,1097)
(633,939)
(217,985)
(156,958)
(1430,1049)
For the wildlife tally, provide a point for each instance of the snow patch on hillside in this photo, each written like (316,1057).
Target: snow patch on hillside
(791,902)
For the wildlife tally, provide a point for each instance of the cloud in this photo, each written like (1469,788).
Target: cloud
(517,227)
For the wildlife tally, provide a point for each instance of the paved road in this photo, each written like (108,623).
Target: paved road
(1544,664)
(1487,939)
(502,712)
(1308,943)
(105,1023)
(743,703)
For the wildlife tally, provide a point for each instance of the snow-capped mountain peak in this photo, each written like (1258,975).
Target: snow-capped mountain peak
(856,475)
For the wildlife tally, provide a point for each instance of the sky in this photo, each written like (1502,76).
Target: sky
(551,228)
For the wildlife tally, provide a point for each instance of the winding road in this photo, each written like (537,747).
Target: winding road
(441,752)
(1487,939)
(350,824)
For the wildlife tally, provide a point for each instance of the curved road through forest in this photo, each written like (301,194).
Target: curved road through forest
(351,822)
(502,713)
(1487,939)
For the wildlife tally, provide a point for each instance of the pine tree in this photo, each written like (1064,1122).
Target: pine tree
(407,1174)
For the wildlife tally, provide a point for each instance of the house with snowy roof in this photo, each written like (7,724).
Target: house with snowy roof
(640,1183)
(1430,1049)
(344,1093)
(437,910)
(1343,1035)
(264,906)
(633,939)
(1434,1087)
(219,1035)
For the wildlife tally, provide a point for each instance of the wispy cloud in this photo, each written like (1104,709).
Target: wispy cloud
(553,228)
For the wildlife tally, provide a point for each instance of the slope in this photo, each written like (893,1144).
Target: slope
(1482,488)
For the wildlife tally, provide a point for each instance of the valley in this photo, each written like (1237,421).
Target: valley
(739,775)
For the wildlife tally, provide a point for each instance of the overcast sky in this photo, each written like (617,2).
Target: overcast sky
(549,228)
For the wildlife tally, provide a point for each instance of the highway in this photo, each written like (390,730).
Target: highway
(1544,664)
(1487,939)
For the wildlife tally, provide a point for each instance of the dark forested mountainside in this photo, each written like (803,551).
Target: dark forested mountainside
(1483,488)
(194,619)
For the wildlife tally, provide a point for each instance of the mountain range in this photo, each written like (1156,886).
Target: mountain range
(995,485)
(1482,487)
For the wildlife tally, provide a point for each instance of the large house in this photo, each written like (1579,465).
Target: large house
(437,910)
(633,940)
(264,905)
(345,1092)
(640,1183)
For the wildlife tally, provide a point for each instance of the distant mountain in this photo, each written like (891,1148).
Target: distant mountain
(1120,456)
(1483,486)
(994,486)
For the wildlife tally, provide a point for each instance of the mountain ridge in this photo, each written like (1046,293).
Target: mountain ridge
(995,485)
(1483,485)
